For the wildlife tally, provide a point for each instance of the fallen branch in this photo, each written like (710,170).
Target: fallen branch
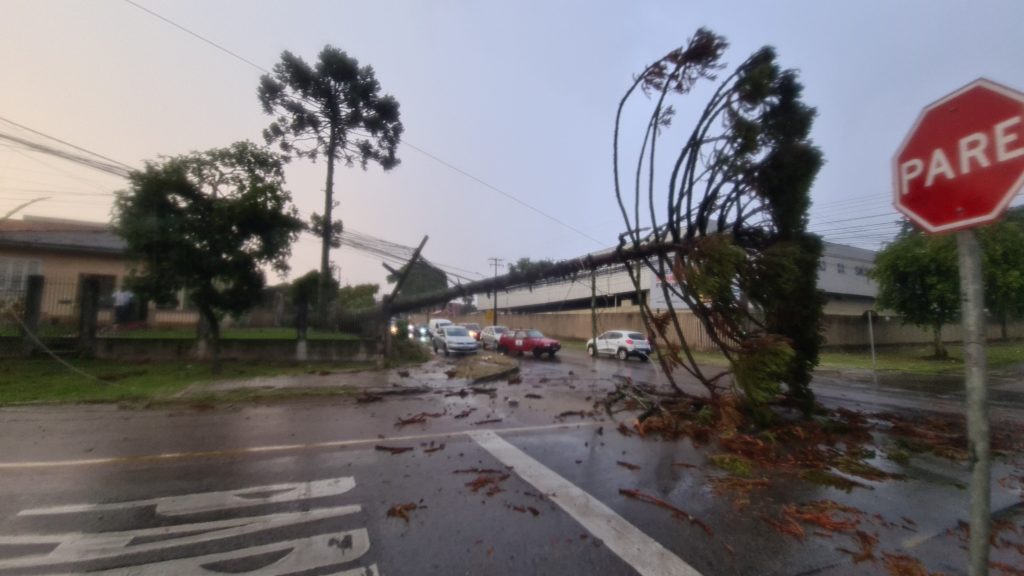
(393,449)
(676,512)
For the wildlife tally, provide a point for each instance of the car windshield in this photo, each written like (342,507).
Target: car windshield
(500,329)
(534,334)
(636,336)
(472,327)
(455,331)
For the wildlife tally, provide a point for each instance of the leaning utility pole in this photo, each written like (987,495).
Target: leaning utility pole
(593,309)
(494,302)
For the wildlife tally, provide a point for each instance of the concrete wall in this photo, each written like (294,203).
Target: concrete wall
(838,331)
(266,350)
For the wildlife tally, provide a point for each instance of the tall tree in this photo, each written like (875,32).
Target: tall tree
(422,279)
(732,221)
(1002,247)
(917,277)
(334,110)
(208,223)
(358,297)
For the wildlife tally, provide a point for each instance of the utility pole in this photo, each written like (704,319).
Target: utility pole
(593,309)
(494,295)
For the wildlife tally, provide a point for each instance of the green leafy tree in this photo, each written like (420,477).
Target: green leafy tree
(731,221)
(529,269)
(422,279)
(918,278)
(358,297)
(1002,247)
(334,110)
(208,222)
(305,288)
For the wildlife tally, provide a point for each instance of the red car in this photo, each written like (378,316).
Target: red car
(523,341)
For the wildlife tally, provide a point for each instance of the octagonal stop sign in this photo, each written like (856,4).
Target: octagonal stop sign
(963,161)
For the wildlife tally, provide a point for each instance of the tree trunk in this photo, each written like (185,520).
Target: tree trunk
(326,232)
(212,338)
(1002,326)
(940,350)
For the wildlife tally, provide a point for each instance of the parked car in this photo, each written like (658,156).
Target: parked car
(620,343)
(418,331)
(474,330)
(435,325)
(491,335)
(523,341)
(454,339)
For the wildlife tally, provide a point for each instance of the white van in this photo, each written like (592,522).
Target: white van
(436,324)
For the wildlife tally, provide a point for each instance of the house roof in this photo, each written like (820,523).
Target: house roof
(61,235)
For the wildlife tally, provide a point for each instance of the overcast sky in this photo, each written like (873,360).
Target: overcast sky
(520,94)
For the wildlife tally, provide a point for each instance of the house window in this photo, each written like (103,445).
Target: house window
(822,266)
(14,273)
(841,268)
(860,271)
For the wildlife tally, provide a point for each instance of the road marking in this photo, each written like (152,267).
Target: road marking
(300,555)
(637,549)
(84,546)
(216,501)
(285,542)
(276,448)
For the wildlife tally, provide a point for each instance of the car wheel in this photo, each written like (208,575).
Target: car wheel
(537,352)
(446,353)
(645,357)
(501,349)
(435,348)
(591,351)
(622,354)
(551,354)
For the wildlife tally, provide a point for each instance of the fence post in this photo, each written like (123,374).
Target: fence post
(33,311)
(88,315)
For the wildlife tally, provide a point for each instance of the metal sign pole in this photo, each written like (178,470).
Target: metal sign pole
(971,298)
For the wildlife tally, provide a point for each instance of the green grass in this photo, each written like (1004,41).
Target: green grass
(908,359)
(916,359)
(43,380)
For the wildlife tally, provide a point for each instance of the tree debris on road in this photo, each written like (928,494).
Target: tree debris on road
(402,511)
(418,418)
(678,513)
(393,449)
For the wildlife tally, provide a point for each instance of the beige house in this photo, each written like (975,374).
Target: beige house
(64,252)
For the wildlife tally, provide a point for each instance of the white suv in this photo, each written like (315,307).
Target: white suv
(620,343)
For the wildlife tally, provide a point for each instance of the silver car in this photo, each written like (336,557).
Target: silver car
(620,343)
(491,334)
(451,338)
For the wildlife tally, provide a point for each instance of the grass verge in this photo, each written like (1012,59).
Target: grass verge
(41,380)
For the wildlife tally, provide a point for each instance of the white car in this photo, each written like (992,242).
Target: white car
(454,339)
(491,334)
(436,324)
(620,343)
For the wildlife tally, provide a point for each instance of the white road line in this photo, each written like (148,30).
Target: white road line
(639,550)
(82,546)
(277,447)
(300,555)
(219,501)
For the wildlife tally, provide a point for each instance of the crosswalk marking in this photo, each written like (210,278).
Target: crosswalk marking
(222,544)
(215,501)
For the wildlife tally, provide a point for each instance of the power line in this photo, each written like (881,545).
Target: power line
(402,141)
(66,143)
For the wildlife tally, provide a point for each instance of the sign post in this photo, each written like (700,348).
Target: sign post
(959,168)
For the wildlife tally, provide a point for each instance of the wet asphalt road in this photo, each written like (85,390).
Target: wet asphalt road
(301,487)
